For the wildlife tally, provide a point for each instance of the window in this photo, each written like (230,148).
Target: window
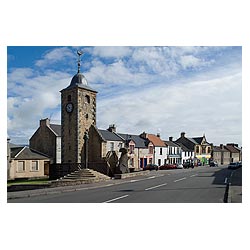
(151,149)
(197,150)
(111,146)
(160,151)
(120,145)
(87,99)
(34,166)
(21,166)
(203,150)
(131,149)
(208,150)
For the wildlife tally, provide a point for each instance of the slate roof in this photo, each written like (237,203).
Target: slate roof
(232,149)
(192,140)
(80,81)
(25,153)
(109,136)
(183,147)
(56,129)
(139,142)
(171,144)
(219,149)
(197,139)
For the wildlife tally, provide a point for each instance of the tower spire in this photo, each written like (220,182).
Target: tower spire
(79,53)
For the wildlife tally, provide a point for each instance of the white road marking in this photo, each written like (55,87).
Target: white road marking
(193,175)
(151,177)
(161,185)
(134,180)
(225,180)
(118,198)
(180,179)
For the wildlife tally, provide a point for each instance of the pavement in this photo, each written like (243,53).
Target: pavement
(235,187)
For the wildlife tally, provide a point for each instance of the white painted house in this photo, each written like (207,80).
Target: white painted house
(160,148)
(186,154)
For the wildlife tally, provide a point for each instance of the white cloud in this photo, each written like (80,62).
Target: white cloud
(212,106)
(55,55)
(145,91)
(111,51)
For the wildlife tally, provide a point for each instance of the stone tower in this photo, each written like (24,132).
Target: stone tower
(78,113)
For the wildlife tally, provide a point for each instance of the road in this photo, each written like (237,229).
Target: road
(199,185)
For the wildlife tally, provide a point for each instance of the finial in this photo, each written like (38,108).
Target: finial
(79,53)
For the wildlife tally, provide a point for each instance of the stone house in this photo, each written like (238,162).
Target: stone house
(47,140)
(173,152)
(221,155)
(26,163)
(140,150)
(202,149)
(105,146)
(235,152)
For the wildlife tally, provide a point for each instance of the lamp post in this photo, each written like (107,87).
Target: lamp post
(86,139)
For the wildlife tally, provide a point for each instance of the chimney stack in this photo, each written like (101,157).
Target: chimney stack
(158,135)
(182,134)
(171,138)
(44,122)
(112,128)
(144,135)
(221,146)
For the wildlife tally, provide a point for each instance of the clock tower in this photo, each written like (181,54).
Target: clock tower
(78,113)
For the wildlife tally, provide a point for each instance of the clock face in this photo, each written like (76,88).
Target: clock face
(69,107)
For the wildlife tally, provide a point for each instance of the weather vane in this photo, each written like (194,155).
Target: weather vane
(79,53)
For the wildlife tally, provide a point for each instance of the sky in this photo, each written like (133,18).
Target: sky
(156,89)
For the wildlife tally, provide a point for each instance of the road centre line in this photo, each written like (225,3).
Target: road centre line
(180,179)
(161,185)
(151,177)
(118,198)
(193,175)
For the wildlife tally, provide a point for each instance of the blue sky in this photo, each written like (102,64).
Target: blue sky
(164,90)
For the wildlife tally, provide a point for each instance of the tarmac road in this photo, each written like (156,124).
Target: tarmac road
(199,185)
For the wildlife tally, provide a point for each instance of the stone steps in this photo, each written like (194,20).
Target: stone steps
(82,176)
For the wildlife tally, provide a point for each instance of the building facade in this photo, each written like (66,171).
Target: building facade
(202,149)
(47,140)
(26,163)
(235,152)
(78,113)
(160,149)
(173,152)
(221,155)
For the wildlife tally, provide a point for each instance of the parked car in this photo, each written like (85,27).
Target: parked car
(188,164)
(180,166)
(213,164)
(234,165)
(151,167)
(167,166)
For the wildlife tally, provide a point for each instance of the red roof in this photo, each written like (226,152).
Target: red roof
(156,140)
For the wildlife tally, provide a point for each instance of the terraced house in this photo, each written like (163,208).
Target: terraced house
(202,149)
